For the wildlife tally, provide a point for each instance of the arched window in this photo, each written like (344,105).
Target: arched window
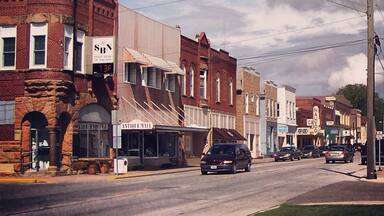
(191,81)
(183,81)
(230,92)
(217,87)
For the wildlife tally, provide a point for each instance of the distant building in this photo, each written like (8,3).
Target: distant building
(248,108)
(286,112)
(270,102)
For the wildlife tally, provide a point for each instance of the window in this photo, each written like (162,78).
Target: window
(251,137)
(167,145)
(203,84)
(170,80)
(191,81)
(7,47)
(7,112)
(246,103)
(151,77)
(278,109)
(130,144)
(183,81)
(230,92)
(68,47)
(218,88)
(80,52)
(38,45)
(257,106)
(130,72)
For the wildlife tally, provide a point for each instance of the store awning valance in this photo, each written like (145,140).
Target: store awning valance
(229,135)
(134,56)
(146,60)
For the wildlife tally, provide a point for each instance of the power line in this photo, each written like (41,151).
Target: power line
(158,5)
(346,6)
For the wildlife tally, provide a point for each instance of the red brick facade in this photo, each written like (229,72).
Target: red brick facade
(200,55)
(55,93)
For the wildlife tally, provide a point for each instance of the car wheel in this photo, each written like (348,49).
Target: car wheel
(276,160)
(248,168)
(327,161)
(299,158)
(345,161)
(204,172)
(292,158)
(351,160)
(333,161)
(234,169)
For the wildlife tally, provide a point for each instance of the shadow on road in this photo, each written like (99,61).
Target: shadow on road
(351,174)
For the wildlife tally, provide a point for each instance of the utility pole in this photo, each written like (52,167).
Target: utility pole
(371,134)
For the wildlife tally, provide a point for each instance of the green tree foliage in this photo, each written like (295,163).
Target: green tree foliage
(357,96)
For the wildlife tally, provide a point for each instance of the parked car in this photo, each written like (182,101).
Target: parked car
(364,152)
(288,153)
(323,150)
(339,153)
(311,151)
(226,158)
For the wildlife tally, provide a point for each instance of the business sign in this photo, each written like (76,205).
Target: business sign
(346,133)
(92,126)
(134,125)
(103,55)
(329,123)
(309,122)
(282,128)
(303,131)
(379,135)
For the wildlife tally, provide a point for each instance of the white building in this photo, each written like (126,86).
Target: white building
(286,111)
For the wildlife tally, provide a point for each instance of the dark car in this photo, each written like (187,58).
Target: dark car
(226,158)
(311,151)
(364,152)
(339,153)
(288,153)
(323,149)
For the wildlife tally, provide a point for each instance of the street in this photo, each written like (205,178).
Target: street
(188,193)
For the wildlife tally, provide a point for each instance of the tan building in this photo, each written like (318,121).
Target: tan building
(247,108)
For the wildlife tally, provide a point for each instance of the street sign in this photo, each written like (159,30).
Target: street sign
(379,135)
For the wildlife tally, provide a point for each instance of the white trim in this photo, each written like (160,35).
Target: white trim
(191,81)
(37,29)
(7,32)
(68,32)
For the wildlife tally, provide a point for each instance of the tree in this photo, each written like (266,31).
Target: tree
(357,96)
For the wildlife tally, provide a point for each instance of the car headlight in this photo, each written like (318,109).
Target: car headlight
(227,162)
(286,155)
(203,162)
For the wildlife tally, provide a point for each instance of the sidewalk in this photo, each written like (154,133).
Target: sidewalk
(84,178)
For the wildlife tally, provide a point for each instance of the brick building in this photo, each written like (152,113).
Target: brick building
(55,111)
(248,108)
(208,95)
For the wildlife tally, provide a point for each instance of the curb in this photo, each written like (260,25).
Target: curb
(343,203)
(21,180)
(151,174)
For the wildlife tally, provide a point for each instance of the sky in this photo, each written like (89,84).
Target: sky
(270,36)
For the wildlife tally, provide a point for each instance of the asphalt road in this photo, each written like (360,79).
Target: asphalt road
(188,193)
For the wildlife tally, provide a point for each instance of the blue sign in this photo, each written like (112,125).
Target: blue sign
(282,128)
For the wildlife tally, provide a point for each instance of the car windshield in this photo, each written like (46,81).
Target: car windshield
(337,148)
(286,149)
(309,147)
(222,150)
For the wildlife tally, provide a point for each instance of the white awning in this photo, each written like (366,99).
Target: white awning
(175,69)
(157,63)
(135,56)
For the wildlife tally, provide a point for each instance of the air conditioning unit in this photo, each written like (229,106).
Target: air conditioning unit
(120,165)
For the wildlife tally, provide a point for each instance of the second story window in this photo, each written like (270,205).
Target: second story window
(218,88)
(68,47)
(191,81)
(230,92)
(7,47)
(257,106)
(203,84)
(151,77)
(246,103)
(183,81)
(170,82)
(38,45)
(80,51)
(130,71)
(278,109)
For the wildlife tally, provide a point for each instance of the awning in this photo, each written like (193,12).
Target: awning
(134,56)
(229,135)
(157,63)
(175,69)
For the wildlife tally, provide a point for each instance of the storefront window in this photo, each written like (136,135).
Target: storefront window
(150,145)
(92,140)
(167,145)
(130,145)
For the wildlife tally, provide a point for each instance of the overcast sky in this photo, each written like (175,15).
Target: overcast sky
(253,28)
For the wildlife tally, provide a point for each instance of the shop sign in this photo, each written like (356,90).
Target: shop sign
(302,131)
(309,122)
(103,55)
(92,126)
(329,123)
(282,128)
(346,133)
(334,131)
(137,126)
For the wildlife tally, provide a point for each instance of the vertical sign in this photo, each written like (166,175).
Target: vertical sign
(103,55)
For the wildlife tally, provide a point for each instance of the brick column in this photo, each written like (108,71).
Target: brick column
(52,150)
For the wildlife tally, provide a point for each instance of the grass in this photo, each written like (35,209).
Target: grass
(325,210)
